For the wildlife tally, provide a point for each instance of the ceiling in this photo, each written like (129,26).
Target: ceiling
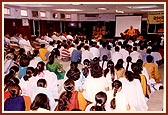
(92,7)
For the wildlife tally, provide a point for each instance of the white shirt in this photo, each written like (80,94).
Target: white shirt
(25,44)
(92,86)
(156,57)
(95,51)
(48,39)
(121,100)
(135,94)
(52,82)
(124,53)
(116,56)
(86,54)
(135,56)
(69,37)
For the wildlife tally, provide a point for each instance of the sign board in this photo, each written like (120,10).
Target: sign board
(155,18)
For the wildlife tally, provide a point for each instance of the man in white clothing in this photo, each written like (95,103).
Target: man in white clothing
(95,51)
(69,36)
(25,43)
(116,55)
(86,54)
(135,55)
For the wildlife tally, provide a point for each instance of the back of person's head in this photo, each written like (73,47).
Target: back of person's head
(105,57)
(95,61)
(73,73)
(21,51)
(117,49)
(119,64)
(42,45)
(110,68)
(64,98)
(86,62)
(96,71)
(100,98)
(129,59)
(35,53)
(11,73)
(65,46)
(135,48)
(24,60)
(29,73)
(14,90)
(69,85)
(148,51)
(110,64)
(55,52)
(51,59)
(135,68)
(129,76)
(78,47)
(12,50)
(41,101)
(104,45)
(139,62)
(40,66)
(149,58)
(116,85)
(86,47)
(42,83)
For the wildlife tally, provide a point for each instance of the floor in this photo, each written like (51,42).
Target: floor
(155,103)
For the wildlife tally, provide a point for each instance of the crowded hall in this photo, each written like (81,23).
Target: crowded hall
(83,57)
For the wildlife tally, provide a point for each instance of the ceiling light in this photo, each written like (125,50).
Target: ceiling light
(119,11)
(102,8)
(69,10)
(76,4)
(153,10)
(142,6)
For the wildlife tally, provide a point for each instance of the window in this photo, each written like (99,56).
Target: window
(7,11)
(24,13)
(68,16)
(155,28)
(43,14)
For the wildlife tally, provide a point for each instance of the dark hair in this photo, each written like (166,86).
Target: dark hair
(73,73)
(41,83)
(39,68)
(96,71)
(129,76)
(24,60)
(110,66)
(42,45)
(86,61)
(14,90)
(35,53)
(104,58)
(29,72)
(41,100)
(86,47)
(101,99)
(128,59)
(149,58)
(51,59)
(11,74)
(136,71)
(115,85)
(65,96)
(117,49)
(119,64)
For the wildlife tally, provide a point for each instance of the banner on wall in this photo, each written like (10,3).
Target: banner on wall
(155,18)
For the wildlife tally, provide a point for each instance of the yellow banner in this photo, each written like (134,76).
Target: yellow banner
(155,18)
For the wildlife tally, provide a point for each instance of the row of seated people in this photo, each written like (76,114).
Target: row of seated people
(91,73)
